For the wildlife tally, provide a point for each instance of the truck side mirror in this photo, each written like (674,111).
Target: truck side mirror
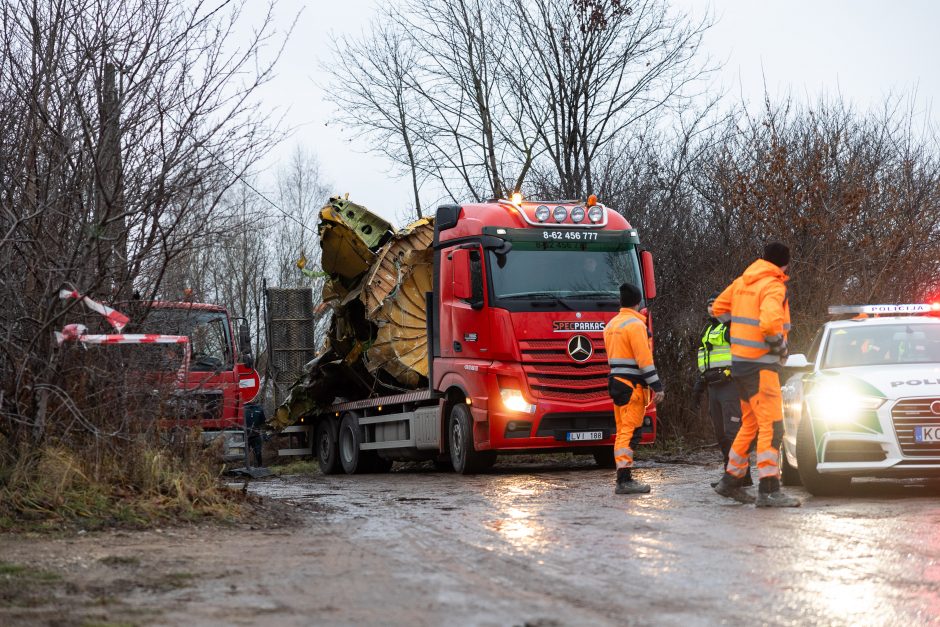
(244,345)
(463,285)
(649,278)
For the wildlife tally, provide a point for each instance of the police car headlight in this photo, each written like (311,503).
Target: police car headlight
(515,401)
(840,403)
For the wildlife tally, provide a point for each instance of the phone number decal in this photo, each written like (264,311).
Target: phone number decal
(569,235)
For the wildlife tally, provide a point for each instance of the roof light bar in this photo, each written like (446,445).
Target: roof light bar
(912,308)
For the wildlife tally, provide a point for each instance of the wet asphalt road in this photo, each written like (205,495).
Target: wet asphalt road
(549,545)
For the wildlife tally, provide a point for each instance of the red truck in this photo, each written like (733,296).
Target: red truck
(521,294)
(220,378)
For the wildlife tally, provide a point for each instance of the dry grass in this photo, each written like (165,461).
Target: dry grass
(140,485)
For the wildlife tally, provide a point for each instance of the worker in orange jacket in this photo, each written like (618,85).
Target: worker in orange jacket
(756,306)
(632,376)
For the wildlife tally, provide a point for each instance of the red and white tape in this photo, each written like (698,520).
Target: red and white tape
(116,318)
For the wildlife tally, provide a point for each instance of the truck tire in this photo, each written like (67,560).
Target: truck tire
(349,438)
(464,457)
(789,476)
(604,458)
(326,447)
(817,484)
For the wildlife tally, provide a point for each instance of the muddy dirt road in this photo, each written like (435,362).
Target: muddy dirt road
(526,544)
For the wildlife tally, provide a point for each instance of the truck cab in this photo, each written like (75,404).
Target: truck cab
(522,292)
(220,377)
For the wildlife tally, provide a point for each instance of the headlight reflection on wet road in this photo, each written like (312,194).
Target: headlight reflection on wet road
(842,569)
(518,503)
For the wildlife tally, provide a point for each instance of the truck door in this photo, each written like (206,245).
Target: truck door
(467,334)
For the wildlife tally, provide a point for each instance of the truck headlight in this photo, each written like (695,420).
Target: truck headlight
(840,403)
(542,213)
(595,214)
(577,214)
(514,400)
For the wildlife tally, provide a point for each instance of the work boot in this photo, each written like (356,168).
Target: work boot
(732,487)
(747,482)
(769,494)
(626,484)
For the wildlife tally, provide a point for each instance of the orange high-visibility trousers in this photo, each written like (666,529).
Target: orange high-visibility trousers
(761,416)
(629,418)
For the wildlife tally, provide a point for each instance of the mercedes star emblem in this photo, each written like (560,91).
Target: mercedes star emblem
(580,348)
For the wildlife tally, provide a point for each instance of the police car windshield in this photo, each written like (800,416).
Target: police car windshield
(883,344)
(569,274)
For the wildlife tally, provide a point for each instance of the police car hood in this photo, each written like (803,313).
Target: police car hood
(888,381)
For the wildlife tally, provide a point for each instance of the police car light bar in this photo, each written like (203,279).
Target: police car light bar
(913,308)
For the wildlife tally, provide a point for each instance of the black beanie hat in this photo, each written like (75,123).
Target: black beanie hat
(777,253)
(629,295)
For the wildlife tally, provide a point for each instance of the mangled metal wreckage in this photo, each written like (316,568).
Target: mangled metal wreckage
(376,286)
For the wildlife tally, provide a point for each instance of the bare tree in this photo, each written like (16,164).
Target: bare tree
(372,79)
(123,124)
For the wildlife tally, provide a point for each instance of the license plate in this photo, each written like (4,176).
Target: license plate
(582,436)
(927,434)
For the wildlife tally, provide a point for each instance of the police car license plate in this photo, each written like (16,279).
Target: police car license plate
(581,436)
(927,434)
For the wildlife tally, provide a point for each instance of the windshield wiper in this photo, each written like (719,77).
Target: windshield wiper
(537,296)
(595,294)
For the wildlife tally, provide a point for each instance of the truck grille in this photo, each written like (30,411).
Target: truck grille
(915,412)
(552,374)
(554,424)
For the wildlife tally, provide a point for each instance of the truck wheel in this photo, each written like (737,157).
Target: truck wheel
(604,458)
(465,458)
(789,475)
(326,447)
(817,484)
(349,440)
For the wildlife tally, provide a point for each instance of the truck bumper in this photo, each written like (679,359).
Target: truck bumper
(554,424)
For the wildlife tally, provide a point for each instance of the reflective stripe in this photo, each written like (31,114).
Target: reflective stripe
(622,362)
(652,379)
(754,322)
(749,343)
(735,471)
(774,339)
(764,359)
(628,321)
(623,451)
(725,317)
(737,459)
(768,456)
(720,363)
(768,471)
(633,371)
(625,464)
(648,369)
(786,326)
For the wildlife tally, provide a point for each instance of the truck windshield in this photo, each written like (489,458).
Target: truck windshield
(207,331)
(879,345)
(583,274)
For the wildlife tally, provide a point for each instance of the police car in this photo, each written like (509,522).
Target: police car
(865,399)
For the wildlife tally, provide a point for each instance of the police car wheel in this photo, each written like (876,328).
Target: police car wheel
(326,447)
(817,484)
(789,476)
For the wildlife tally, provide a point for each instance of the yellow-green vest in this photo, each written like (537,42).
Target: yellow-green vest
(714,350)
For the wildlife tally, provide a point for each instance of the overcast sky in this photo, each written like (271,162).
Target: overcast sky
(863,49)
